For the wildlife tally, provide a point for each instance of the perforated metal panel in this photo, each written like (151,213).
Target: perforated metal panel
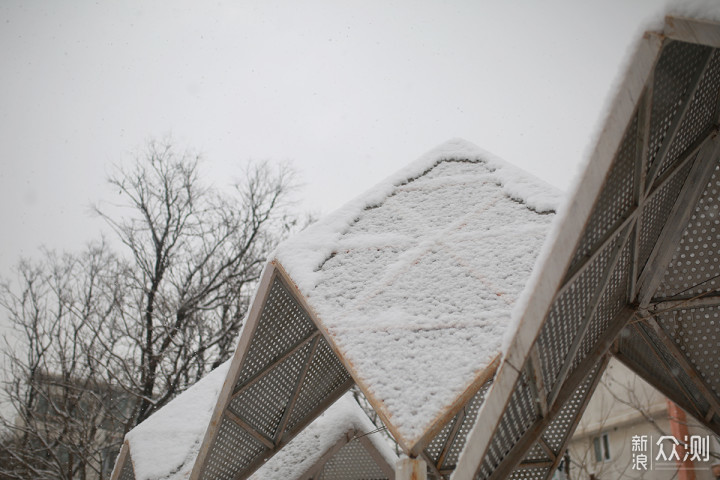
(613,299)
(326,378)
(536,462)
(449,442)
(126,472)
(262,404)
(674,368)
(556,434)
(562,426)
(616,200)
(656,212)
(697,333)
(530,474)
(437,445)
(640,356)
(567,315)
(678,65)
(695,267)
(517,419)
(458,443)
(287,377)
(234,450)
(283,323)
(536,454)
(629,216)
(352,462)
(701,115)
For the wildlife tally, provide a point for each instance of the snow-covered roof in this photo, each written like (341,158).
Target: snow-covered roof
(165,446)
(406,291)
(415,280)
(630,268)
(342,431)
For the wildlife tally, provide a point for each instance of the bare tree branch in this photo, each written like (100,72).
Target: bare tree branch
(104,339)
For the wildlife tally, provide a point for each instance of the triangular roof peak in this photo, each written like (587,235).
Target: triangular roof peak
(316,242)
(342,442)
(413,282)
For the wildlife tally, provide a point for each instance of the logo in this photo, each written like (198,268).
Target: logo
(667,452)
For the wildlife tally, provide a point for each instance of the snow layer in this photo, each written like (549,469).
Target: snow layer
(696,9)
(415,280)
(303,452)
(166,445)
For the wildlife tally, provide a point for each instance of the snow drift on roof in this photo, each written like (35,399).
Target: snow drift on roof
(164,446)
(305,450)
(695,9)
(415,280)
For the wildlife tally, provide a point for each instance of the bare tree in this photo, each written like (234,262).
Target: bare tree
(194,254)
(64,411)
(130,330)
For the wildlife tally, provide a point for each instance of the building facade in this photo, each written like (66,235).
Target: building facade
(628,432)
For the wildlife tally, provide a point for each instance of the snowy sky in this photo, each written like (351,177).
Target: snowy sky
(349,91)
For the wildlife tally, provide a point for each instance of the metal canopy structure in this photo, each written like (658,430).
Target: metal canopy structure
(442,453)
(632,266)
(406,293)
(295,355)
(341,444)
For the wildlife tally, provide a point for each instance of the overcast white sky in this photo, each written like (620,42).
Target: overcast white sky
(349,91)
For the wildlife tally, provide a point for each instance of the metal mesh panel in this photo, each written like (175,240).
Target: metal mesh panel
(616,198)
(267,385)
(554,435)
(352,462)
(536,454)
(529,473)
(471,411)
(127,472)
(516,420)
(567,314)
(559,429)
(640,353)
(283,323)
(656,212)
(675,70)
(263,403)
(233,450)
(437,444)
(696,332)
(700,115)
(695,267)
(612,301)
(636,350)
(325,378)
